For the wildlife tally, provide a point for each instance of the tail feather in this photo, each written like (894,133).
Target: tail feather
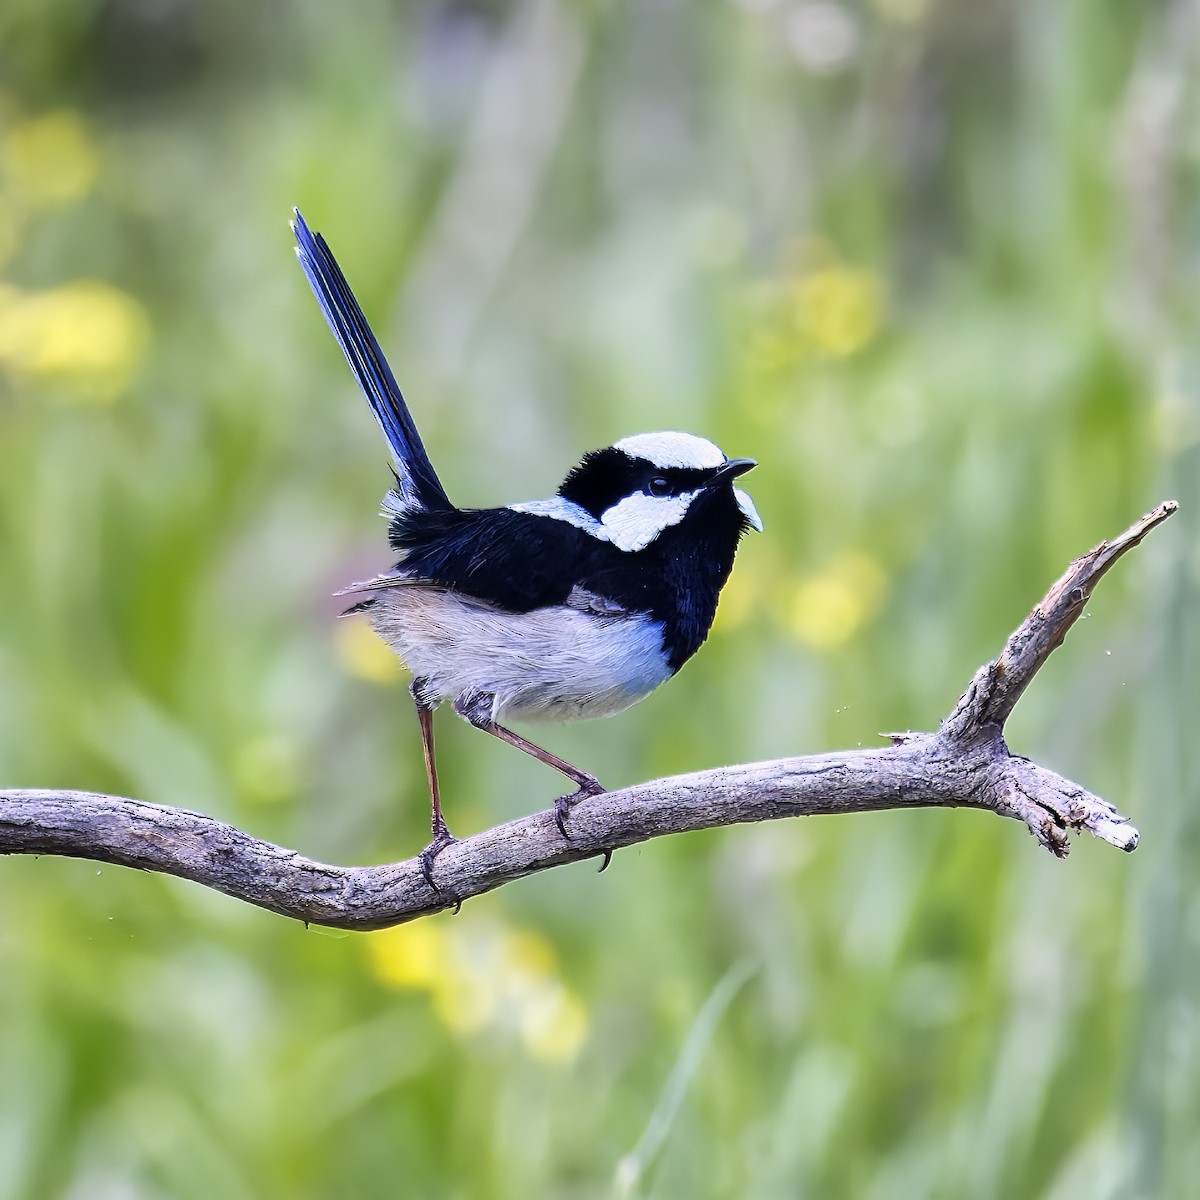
(418,484)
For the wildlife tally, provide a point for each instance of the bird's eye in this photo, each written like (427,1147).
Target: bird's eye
(658,486)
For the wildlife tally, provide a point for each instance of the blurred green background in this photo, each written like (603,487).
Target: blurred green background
(933,262)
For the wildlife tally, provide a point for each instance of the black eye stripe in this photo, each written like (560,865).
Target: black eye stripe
(678,479)
(606,477)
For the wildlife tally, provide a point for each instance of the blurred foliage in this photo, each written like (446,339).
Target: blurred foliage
(933,263)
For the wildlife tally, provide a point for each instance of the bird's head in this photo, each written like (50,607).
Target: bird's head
(651,482)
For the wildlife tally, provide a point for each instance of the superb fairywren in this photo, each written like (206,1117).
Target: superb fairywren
(575,606)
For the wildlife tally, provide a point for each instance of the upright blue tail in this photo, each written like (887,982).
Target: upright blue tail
(416,479)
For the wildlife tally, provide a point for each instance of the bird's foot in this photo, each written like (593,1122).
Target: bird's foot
(442,837)
(563,805)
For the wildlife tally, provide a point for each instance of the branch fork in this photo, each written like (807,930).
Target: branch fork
(965,764)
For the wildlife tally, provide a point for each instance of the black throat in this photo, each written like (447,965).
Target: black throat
(678,578)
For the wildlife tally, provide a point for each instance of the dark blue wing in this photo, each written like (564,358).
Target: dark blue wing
(516,560)
(418,481)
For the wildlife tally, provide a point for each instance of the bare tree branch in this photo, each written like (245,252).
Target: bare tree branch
(965,764)
(998,685)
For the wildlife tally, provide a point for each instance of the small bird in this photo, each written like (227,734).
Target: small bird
(559,609)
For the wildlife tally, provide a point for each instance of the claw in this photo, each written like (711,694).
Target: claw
(564,804)
(604,865)
(441,839)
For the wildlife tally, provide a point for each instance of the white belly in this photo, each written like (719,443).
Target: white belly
(552,664)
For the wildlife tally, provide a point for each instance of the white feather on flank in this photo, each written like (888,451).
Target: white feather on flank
(554,663)
(671,449)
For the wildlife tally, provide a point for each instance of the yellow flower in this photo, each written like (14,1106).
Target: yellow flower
(528,953)
(51,160)
(487,977)
(409,956)
(363,654)
(465,1001)
(830,606)
(87,333)
(821,308)
(554,1024)
(838,309)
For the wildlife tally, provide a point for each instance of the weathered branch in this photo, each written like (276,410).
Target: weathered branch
(965,764)
(998,685)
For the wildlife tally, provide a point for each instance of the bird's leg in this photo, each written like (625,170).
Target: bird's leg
(442,837)
(475,708)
